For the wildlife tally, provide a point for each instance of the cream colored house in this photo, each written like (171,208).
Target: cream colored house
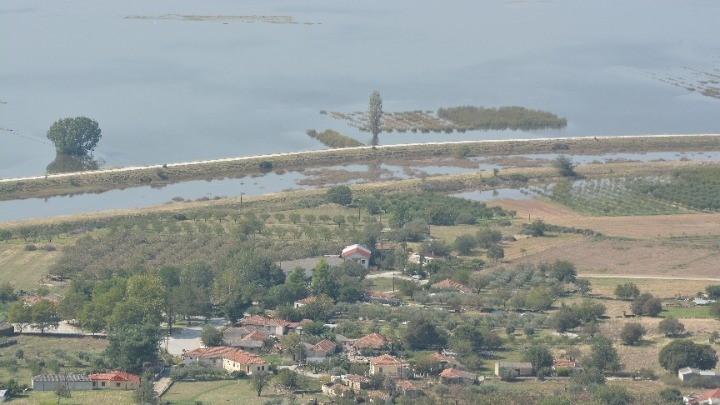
(115,380)
(386,365)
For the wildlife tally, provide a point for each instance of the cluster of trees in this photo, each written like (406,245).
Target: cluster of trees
(697,188)
(513,117)
(42,315)
(571,316)
(485,238)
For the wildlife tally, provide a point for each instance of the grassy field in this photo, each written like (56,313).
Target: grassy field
(215,392)
(78,398)
(46,349)
(686,312)
(24,269)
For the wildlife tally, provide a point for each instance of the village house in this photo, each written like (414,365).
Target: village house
(226,358)
(565,364)
(271,326)
(408,389)
(354,381)
(240,360)
(373,343)
(332,389)
(455,376)
(688,374)
(49,382)
(386,365)
(301,303)
(379,397)
(423,259)
(381,298)
(522,369)
(115,380)
(211,356)
(444,360)
(708,397)
(318,352)
(246,339)
(450,285)
(357,253)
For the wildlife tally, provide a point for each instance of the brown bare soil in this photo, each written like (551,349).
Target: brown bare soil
(639,227)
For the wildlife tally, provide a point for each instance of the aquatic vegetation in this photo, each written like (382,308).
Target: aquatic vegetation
(333,139)
(460,119)
(705,82)
(272,19)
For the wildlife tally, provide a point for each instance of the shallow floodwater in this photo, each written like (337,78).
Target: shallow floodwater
(139,197)
(168,90)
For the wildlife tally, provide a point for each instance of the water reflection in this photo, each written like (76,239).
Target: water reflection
(72,163)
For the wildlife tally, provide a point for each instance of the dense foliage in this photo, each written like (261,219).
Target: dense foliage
(334,139)
(74,136)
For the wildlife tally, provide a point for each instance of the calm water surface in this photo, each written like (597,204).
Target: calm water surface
(167,90)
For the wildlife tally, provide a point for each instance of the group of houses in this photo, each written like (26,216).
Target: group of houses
(112,380)
(226,358)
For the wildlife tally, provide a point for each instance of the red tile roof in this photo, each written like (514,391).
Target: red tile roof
(705,395)
(564,363)
(243,357)
(324,346)
(355,378)
(453,373)
(385,360)
(372,341)
(257,320)
(448,284)
(444,359)
(115,376)
(378,395)
(256,336)
(356,249)
(406,385)
(209,352)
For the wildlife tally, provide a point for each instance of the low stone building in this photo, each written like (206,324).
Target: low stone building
(522,369)
(693,374)
(373,343)
(320,351)
(49,382)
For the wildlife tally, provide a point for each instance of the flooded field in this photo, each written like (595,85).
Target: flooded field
(172,81)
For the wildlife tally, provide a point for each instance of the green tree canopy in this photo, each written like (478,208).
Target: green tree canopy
(632,333)
(131,346)
(603,356)
(375,113)
(539,356)
(74,136)
(339,195)
(686,353)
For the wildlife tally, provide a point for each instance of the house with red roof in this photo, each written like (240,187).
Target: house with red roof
(271,326)
(240,360)
(448,284)
(357,253)
(319,351)
(211,356)
(115,380)
(387,365)
(301,303)
(455,376)
(708,397)
(373,343)
(408,389)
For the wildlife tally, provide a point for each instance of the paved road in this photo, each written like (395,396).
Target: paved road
(188,337)
(633,276)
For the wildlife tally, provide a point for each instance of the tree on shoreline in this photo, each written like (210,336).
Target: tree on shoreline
(74,136)
(375,115)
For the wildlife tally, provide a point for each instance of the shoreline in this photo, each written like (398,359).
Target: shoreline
(42,186)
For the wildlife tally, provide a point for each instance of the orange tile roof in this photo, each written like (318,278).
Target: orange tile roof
(564,363)
(324,346)
(209,352)
(451,285)
(455,373)
(444,359)
(355,378)
(705,395)
(406,385)
(243,357)
(263,321)
(256,336)
(378,395)
(372,341)
(115,376)
(352,249)
(385,360)
(306,300)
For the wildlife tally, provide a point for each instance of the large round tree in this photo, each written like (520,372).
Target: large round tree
(686,353)
(74,136)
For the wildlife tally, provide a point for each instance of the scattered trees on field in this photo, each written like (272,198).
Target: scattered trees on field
(627,291)
(564,166)
(603,356)
(671,327)
(646,304)
(686,353)
(632,333)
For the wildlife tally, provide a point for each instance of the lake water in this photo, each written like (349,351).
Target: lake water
(145,196)
(168,90)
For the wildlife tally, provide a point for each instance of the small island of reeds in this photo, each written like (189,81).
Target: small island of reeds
(460,118)
(333,139)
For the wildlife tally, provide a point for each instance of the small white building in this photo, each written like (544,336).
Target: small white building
(357,253)
(3,395)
